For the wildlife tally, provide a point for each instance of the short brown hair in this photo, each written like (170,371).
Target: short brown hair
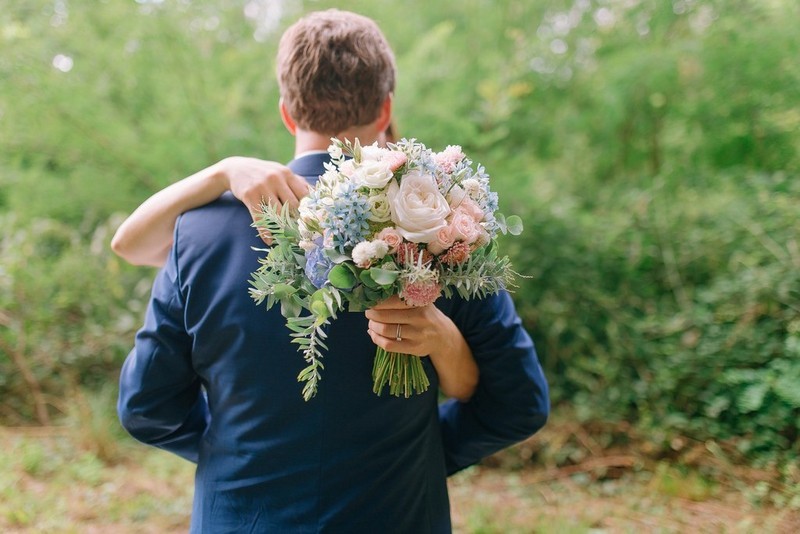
(335,70)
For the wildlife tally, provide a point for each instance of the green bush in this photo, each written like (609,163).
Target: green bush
(677,309)
(69,311)
(651,148)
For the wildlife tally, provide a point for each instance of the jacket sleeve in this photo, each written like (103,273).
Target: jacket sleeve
(161,401)
(511,401)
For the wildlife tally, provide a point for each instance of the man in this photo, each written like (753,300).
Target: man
(212,377)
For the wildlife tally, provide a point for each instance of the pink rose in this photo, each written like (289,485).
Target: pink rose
(445,238)
(391,237)
(471,207)
(464,226)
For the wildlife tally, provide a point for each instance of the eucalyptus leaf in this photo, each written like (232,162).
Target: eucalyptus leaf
(367,280)
(501,222)
(341,277)
(514,224)
(290,308)
(282,291)
(319,309)
(335,256)
(383,277)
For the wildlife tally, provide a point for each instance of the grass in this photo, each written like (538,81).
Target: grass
(47,484)
(56,480)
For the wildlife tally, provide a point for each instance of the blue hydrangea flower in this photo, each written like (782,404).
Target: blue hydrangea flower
(348,217)
(318,265)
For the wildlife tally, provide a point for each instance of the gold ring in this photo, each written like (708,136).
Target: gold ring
(397,335)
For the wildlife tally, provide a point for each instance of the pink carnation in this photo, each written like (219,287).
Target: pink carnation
(395,160)
(458,254)
(407,253)
(421,293)
(449,158)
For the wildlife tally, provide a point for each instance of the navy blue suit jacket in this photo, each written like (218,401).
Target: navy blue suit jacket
(213,378)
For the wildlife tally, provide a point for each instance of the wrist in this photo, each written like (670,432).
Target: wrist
(447,332)
(218,176)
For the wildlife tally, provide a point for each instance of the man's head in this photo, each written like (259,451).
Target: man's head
(335,70)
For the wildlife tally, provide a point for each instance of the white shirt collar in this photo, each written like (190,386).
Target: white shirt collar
(309,153)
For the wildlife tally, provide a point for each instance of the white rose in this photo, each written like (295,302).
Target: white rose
(418,208)
(347,168)
(373,174)
(372,152)
(379,209)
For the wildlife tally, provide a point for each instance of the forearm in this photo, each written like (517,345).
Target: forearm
(145,237)
(454,363)
(511,401)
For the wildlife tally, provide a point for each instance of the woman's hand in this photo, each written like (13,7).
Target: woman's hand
(256,181)
(426,331)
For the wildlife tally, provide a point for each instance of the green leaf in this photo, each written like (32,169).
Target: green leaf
(282,291)
(501,222)
(341,277)
(367,280)
(383,277)
(290,307)
(335,256)
(788,389)
(319,309)
(514,224)
(753,397)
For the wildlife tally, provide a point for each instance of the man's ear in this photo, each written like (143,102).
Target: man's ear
(287,119)
(385,115)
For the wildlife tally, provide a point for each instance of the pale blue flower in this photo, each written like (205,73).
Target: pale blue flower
(348,217)
(318,265)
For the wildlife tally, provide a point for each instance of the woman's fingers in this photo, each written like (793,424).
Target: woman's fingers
(392,330)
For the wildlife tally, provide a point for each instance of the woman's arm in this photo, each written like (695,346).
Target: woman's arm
(427,331)
(145,237)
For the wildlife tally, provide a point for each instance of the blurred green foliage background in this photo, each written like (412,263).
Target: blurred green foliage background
(650,146)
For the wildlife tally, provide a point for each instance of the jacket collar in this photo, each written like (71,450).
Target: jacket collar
(310,166)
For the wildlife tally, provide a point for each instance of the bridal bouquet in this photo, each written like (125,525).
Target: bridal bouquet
(399,220)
